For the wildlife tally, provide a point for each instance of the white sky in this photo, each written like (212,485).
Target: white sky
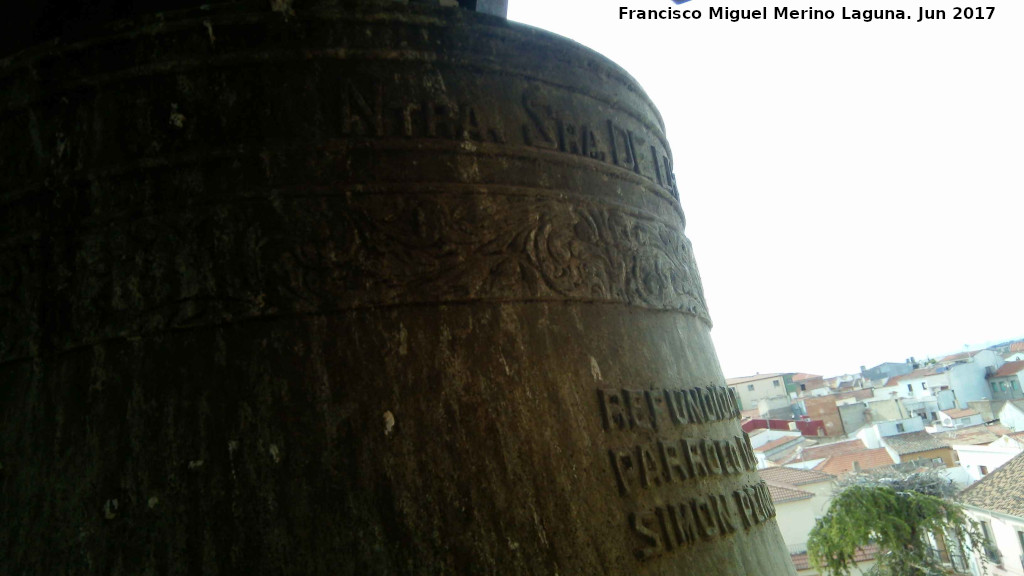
(853,190)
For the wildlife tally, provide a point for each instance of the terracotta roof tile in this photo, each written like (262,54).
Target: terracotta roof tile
(866,459)
(778,442)
(781,493)
(835,448)
(787,456)
(801,561)
(891,382)
(1008,369)
(959,356)
(744,379)
(958,413)
(913,442)
(819,403)
(793,476)
(973,435)
(865,554)
(862,394)
(998,429)
(827,403)
(920,373)
(1001,491)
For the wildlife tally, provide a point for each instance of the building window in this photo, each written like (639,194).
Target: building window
(984,470)
(910,388)
(899,427)
(922,385)
(990,546)
(934,416)
(1020,539)
(775,383)
(750,387)
(803,387)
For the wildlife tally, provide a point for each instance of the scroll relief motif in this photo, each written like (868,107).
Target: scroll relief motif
(444,248)
(309,255)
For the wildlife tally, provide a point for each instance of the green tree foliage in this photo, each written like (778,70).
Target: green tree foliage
(901,515)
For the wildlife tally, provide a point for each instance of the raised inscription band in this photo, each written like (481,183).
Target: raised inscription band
(362,293)
(337,215)
(661,448)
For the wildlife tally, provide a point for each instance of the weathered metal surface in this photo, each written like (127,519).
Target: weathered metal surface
(337,291)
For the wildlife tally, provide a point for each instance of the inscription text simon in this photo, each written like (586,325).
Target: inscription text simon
(662,451)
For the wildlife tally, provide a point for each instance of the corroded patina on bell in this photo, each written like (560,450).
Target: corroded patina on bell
(351,288)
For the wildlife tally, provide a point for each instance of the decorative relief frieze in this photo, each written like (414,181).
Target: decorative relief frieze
(438,248)
(333,253)
(147,213)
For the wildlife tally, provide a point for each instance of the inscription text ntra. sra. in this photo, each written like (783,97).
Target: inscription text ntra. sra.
(372,110)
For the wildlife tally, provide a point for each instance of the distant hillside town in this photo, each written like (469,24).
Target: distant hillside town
(961,415)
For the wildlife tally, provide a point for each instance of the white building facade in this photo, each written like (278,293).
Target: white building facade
(996,502)
(750,389)
(981,459)
(1012,415)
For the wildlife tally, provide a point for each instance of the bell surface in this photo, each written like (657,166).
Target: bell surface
(352,289)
